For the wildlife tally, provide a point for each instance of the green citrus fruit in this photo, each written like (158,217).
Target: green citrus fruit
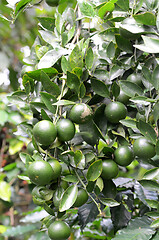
(40,172)
(81,113)
(109,189)
(123,98)
(143,148)
(135,78)
(123,155)
(30,148)
(44,132)
(59,230)
(81,199)
(56,166)
(65,129)
(109,169)
(115,111)
(52,3)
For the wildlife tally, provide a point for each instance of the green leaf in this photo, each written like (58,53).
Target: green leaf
(3,18)
(4,117)
(25,158)
(111,50)
(155,224)
(64,103)
(115,89)
(155,78)
(64,64)
(152,203)
(146,18)
(151,45)
(75,59)
(5,191)
(48,85)
(157,147)
(152,174)
(68,198)
(49,99)
(129,123)
(86,9)
(123,43)
(73,82)
(123,4)
(130,89)
(156,112)
(143,100)
(108,7)
(109,202)
(47,22)
(64,38)
(59,22)
(50,58)
(89,58)
(21,5)
(138,228)
(51,72)
(70,178)
(94,170)
(100,87)
(28,84)
(79,159)
(149,184)
(147,131)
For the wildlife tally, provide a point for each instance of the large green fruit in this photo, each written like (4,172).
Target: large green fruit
(115,111)
(59,230)
(81,199)
(123,98)
(135,78)
(44,132)
(65,129)
(109,169)
(143,148)
(123,155)
(40,172)
(81,113)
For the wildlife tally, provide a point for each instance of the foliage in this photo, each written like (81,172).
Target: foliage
(86,53)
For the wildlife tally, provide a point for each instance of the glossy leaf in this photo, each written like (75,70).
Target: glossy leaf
(73,81)
(63,103)
(94,170)
(51,72)
(75,58)
(123,4)
(155,78)
(155,224)
(48,85)
(130,89)
(50,58)
(86,9)
(4,117)
(146,18)
(89,58)
(100,87)
(49,99)
(151,185)
(124,44)
(47,23)
(151,45)
(5,191)
(111,50)
(108,7)
(147,131)
(152,203)
(138,228)
(87,213)
(21,5)
(129,123)
(109,202)
(68,198)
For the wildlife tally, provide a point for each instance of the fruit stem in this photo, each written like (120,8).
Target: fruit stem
(61,95)
(98,205)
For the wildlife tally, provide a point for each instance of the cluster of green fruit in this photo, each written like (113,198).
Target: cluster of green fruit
(47,175)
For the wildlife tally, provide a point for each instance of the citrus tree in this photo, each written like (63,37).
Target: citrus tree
(92,92)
